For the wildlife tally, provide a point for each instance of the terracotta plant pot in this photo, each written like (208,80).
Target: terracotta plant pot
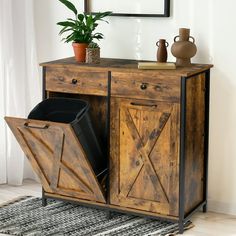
(80,51)
(183,49)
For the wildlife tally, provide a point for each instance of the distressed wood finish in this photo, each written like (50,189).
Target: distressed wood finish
(72,80)
(145,86)
(121,65)
(144,155)
(194,148)
(57,157)
(148,126)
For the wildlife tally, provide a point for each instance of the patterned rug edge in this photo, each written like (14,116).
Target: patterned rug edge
(188,225)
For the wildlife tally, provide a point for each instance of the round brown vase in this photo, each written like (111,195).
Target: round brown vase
(80,51)
(183,49)
(162,50)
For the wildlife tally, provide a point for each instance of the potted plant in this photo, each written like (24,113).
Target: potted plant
(93,53)
(81,29)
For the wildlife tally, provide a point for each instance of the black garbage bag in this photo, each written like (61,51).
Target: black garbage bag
(76,113)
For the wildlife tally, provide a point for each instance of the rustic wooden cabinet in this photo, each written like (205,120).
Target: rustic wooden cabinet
(153,125)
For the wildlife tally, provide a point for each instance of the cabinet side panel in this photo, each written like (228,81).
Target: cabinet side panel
(194,146)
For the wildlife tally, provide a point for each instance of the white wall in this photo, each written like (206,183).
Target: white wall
(213,25)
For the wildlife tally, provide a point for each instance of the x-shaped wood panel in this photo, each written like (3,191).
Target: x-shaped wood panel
(144,149)
(45,147)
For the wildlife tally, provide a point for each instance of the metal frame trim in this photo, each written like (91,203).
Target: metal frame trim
(108,134)
(166,12)
(44,96)
(197,208)
(206,137)
(182,155)
(44,83)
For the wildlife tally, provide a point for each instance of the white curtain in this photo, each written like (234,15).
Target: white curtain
(20,84)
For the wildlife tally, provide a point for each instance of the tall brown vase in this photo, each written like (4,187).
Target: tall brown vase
(80,51)
(162,50)
(183,49)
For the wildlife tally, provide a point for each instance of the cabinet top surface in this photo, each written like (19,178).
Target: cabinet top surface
(111,64)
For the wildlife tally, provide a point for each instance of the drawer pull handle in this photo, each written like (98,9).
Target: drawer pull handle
(142,104)
(74,81)
(36,126)
(143,86)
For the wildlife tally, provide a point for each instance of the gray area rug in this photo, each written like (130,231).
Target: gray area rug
(26,216)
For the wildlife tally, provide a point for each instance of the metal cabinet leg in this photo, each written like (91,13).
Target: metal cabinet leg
(109,215)
(205,208)
(44,202)
(181,227)
(44,199)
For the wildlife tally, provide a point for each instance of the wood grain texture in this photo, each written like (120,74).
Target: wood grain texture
(194,148)
(57,157)
(143,171)
(71,80)
(124,65)
(150,86)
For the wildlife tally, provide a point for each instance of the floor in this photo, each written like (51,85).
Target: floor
(209,224)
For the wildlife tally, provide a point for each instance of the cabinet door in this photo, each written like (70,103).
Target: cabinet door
(57,157)
(144,155)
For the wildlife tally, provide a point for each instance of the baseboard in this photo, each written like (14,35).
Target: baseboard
(222,207)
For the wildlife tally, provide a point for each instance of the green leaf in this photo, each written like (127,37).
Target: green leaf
(89,21)
(81,17)
(66,23)
(64,30)
(69,19)
(69,5)
(98,36)
(101,15)
(70,38)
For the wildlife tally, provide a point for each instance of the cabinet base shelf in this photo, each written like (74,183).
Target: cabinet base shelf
(112,208)
(109,207)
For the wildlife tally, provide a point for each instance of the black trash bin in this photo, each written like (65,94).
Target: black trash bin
(76,113)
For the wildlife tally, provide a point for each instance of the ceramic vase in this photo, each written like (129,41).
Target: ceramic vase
(162,50)
(183,49)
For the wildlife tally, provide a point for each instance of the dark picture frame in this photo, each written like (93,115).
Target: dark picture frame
(164,13)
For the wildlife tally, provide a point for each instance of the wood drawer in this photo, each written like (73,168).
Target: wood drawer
(145,86)
(72,80)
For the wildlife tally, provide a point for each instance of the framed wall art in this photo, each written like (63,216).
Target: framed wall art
(138,8)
